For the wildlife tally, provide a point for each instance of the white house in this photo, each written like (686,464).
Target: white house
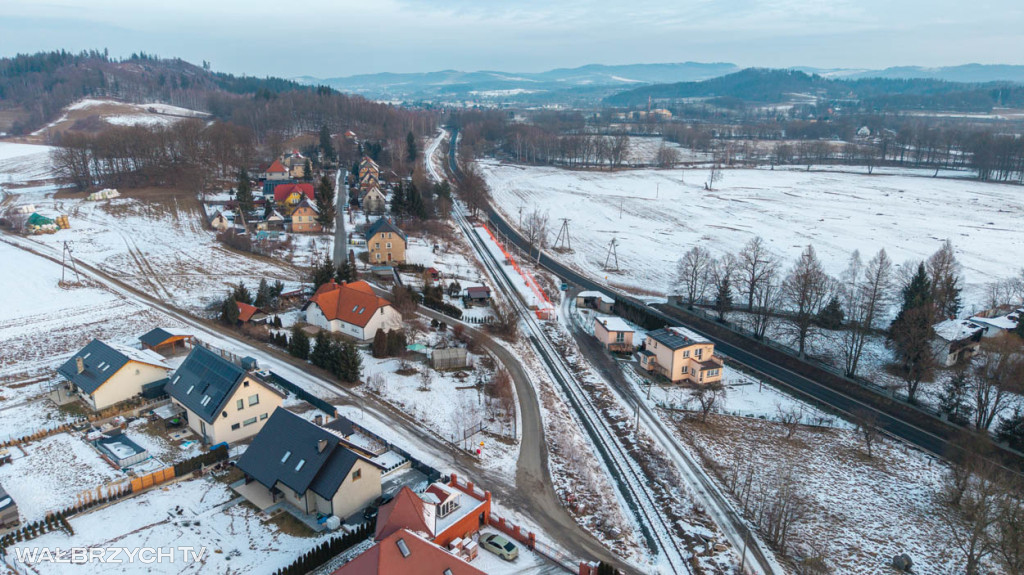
(956,340)
(352,309)
(997,325)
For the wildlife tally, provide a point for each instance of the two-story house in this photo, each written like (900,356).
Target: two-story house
(681,356)
(304,218)
(351,309)
(385,243)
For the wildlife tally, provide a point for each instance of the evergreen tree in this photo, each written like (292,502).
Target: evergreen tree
(277,289)
(321,355)
(241,293)
(917,293)
(323,272)
(352,269)
(831,316)
(723,299)
(355,171)
(953,401)
(380,344)
(398,199)
(344,272)
(307,171)
(414,203)
(326,146)
(243,192)
(410,147)
(325,203)
(263,295)
(229,311)
(351,363)
(1019,330)
(298,346)
(1011,430)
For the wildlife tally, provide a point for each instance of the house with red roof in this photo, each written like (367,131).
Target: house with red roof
(274,171)
(407,553)
(351,309)
(444,513)
(250,313)
(289,195)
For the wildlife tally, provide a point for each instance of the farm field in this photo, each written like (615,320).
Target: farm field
(656,215)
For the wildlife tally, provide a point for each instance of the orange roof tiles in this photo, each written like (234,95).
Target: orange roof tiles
(353,303)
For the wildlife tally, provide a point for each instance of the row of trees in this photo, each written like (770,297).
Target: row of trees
(339,357)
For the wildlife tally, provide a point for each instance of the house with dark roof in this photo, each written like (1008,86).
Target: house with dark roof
(221,401)
(681,355)
(385,242)
(104,374)
(407,553)
(352,309)
(293,459)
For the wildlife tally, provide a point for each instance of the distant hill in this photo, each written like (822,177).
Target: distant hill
(447,84)
(967,73)
(767,86)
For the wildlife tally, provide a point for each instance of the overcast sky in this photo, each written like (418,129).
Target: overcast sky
(327,38)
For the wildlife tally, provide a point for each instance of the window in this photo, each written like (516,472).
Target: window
(298,466)
(245,383)
(287,454)
(402,547)
(378,255)
(254,400)
(190,388)
(249,421)
(223,414)
(686,370)
(263,416)
(620,337)
(205,401)
(388,245)
(235,426)
(713,372)
(357,474)
(686,354)
(376,246)
(239,404)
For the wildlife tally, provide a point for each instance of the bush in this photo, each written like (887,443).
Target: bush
(445,308)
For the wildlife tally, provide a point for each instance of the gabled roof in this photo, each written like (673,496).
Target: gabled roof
(246,311)
(478,291)
(405,511)
(282,191)
(307,204)
(956,329)
(299,454)
(369,191)
(353,303)
(406,553)
(157,336)
(204,382)
(676,337)
(276,167)
(102,361)
(383,225)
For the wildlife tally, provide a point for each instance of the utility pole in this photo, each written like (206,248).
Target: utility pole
(562,241)
(612,254)
(65,258)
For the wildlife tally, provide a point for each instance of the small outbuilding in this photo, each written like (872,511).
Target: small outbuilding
(595,300)
(120,450)
(477,295)
(449,358)
(614,333)
(162,338)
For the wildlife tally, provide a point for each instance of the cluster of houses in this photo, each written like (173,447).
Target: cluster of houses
(674,353)
(372,198)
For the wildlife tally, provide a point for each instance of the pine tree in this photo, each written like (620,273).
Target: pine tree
(326,210)
(414,203)
(298,346)
(1011,430)
(323,272)
(380,344)
(953,401)
(1019,330)
(352,364)
(229,311)
(352,269)
(398,200)
(263,295)
(241,293)
(321,355)
(326,146)
(243,193)
(410,147)
(344,273)
(307,171)
(831,316)
(917,293)
(723,299)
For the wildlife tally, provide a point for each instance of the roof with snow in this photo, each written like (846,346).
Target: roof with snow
(102,360)
(299,454)
(676,337)
(383,225)
(1007,322)
(613,323)
(596,294)
(157,336)
(956,329)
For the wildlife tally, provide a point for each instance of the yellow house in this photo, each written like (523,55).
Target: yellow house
(385,242)
(222,402)
(297,461)
(104,374)
(614,333)
(304,218)
(681,355)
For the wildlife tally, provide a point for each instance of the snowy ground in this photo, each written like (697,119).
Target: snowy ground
(235,539)
(843,492)
(836,212)
(24,162)
(119,114)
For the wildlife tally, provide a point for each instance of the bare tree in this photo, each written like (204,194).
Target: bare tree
(535,229)
(767,294)
(693,273)
(753,263)
(426,379)
(790,418)
(666,157)
(867,428)
(998,376)
(706,397)
(474,190)
(618,150)
(806,289)
(866,294)
(969,523)
(1009,532)
(714,175)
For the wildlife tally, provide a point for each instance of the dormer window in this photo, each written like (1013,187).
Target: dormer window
(403,548)
(298,467)
(287,454)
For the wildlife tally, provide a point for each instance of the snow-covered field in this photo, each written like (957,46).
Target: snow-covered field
(120,114)
(24,162)
(235,539)
(658,214)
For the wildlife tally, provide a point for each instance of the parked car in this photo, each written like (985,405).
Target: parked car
(499,546)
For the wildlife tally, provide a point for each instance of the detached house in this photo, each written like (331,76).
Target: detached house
(296,164)
(274,171)
(105,374)
(290,195)
(295,460)
(304,218)
(222,402)
(408,553)
(681,355)
(956,340)
(373,201)
(614,333)
(444,512)
(369,174)
(385,242)
(352,309)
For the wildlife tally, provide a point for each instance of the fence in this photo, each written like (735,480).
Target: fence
(529,539)
(320,404)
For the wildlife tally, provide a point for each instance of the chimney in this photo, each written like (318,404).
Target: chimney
(319,420)
(321,445)
(80,364)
